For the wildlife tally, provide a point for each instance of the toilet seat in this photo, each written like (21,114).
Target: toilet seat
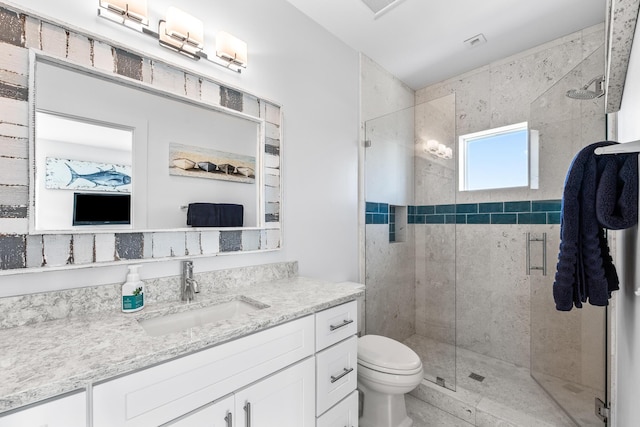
(390,371)
(385,355)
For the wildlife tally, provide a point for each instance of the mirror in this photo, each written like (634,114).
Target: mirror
(83,158)
(114,154)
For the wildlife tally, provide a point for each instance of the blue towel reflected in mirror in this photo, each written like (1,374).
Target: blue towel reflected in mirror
(215,215)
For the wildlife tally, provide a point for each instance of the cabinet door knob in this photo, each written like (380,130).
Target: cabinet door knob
(229,419)
(247,409)
(345,371)
(344,323)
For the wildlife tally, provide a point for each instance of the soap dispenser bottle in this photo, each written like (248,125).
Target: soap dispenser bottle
(133,291)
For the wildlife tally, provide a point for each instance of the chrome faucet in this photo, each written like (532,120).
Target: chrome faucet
(188,286)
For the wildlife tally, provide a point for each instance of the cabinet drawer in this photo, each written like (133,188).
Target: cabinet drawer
(344,414)
(69,411)
(336,324)
(336,373)
(165,392)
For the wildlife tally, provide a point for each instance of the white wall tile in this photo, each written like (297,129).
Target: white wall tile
(57,249)
(79,49)
(54,40)
(210,241)
(83,245)
(105,247)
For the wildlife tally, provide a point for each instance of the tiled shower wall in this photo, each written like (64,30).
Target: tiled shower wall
(18,33)
(485,258)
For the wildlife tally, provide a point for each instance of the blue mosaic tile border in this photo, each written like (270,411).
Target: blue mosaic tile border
(377,213)
(517,212)
(392,223)
(520,212)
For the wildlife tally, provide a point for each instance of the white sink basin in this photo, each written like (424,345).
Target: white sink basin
(176,322)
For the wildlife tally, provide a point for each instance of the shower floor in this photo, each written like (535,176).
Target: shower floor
(506,394)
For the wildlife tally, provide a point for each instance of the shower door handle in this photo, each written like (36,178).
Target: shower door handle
(544,254)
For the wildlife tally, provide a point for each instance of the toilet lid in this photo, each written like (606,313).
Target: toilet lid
(385,354)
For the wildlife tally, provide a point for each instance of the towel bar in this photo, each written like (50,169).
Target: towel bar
(625,147)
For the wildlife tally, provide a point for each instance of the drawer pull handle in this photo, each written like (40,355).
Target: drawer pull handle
(247,409)
(345,371)
(344,323)
(229,419)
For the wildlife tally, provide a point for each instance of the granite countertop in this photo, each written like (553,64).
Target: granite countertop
(54,357)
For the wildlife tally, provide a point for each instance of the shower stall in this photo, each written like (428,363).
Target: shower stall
(465,278)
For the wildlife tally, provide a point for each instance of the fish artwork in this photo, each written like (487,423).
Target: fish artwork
(68,174)
(106,178)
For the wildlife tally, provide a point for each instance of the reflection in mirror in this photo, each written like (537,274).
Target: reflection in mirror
(102,134)
(78,164)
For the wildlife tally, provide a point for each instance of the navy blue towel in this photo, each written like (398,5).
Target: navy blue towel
(617,193)
(215,215)
(600,192)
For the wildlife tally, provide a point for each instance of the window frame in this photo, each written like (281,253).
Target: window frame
(532,155)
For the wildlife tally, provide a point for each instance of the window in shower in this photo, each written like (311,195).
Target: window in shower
(502,157)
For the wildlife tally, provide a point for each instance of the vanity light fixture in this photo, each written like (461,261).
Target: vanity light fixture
(231,49)
(178,31)
(432,146)
(181,32)
(438,149)
(131,13)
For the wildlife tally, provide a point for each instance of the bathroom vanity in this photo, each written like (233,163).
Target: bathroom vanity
(290,362)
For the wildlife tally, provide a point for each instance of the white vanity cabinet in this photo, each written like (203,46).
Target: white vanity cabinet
(284,399)
(67,411)
(168,391)
(336,366)
(298,374)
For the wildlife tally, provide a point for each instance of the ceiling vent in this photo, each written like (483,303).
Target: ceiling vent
(379,7)
(476,40)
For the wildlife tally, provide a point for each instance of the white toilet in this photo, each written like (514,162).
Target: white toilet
(387,369)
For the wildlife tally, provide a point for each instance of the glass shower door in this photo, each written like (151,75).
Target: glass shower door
(410,240)
(434,226)
(389,244)
(568,349)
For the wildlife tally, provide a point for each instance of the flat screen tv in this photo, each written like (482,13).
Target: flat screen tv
(101,208)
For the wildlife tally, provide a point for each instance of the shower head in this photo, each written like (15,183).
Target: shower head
(585,93)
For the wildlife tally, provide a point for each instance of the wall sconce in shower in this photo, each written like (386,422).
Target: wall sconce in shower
(439,150)
(181,32)
(131,13)
(178,31)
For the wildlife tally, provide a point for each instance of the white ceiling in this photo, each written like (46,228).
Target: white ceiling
(60,128)
(421,41)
